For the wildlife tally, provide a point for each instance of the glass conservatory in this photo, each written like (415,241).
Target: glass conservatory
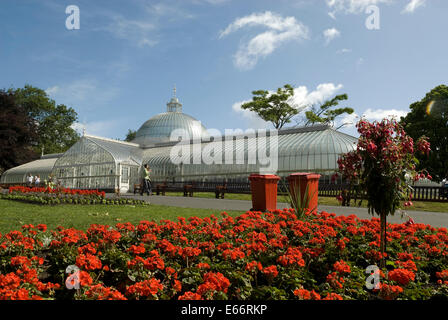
(98,163)
(101,163)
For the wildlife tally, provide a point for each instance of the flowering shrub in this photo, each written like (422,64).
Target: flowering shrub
(383,166)
(253,256)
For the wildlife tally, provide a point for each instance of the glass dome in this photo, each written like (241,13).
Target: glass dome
(158,129)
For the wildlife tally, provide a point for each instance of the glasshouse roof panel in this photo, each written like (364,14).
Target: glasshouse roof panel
(119,150)
(41,167)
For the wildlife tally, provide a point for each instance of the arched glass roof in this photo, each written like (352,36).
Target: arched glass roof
(41,167)
(313,149)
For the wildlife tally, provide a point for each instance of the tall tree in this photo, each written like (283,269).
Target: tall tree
(273,107)
(429,117)
(53,121)
(130,135)
(323,113)
(17,133)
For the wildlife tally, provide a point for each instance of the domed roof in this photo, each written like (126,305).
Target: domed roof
(158,129)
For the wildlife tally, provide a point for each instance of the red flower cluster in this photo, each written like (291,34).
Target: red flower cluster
(401,276)
(341,267)
(270,272)
(304,294)
(22,189)
(99,292)
(389,292)
(292,257)
(213,282)
(88,262)
(145,288)
(443,277)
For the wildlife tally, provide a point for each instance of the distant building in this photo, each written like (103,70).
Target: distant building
(96,162)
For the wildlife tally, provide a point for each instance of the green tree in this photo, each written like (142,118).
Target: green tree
(323,113)
(53,122)
(273,107)
(130,135)
(17,133)
(429,117)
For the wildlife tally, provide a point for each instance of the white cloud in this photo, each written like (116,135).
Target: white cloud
(413,5)
(344,50)
(106,128)
(253,120)
(145,30)
(349,120)
(347,123)
(322,93)
(301,100)
(140,32)
(52,91)
(280,30)
(331,34)
(379,114)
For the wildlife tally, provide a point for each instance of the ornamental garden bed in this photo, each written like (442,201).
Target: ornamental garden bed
(252,256)
(48,196)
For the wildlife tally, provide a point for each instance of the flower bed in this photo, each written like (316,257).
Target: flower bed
(59,191)
(48,196)
(253,256)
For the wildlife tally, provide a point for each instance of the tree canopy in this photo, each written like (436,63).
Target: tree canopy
(323,113)
(17,133)
(130,135)
(429,117)
(53,121)
(273,107)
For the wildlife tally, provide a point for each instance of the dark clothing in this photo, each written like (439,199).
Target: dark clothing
(146,187)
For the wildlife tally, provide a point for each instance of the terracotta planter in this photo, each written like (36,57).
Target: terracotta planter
(300,181)
(264,191)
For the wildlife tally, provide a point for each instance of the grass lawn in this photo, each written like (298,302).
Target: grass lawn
(326,201)
(14,214)
(418,205)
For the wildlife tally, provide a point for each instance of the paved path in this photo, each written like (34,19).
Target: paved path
(436,219)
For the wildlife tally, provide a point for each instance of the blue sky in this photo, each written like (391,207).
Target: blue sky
(120,67)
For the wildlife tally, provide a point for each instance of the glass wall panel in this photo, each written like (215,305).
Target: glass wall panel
(86,166)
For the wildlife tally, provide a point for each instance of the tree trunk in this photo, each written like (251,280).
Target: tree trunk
(383,240)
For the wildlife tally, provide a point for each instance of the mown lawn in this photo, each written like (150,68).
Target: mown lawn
(327,201)
(15,214)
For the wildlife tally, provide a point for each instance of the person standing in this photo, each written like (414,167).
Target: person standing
(37,181)
(146,180)
(29,180)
